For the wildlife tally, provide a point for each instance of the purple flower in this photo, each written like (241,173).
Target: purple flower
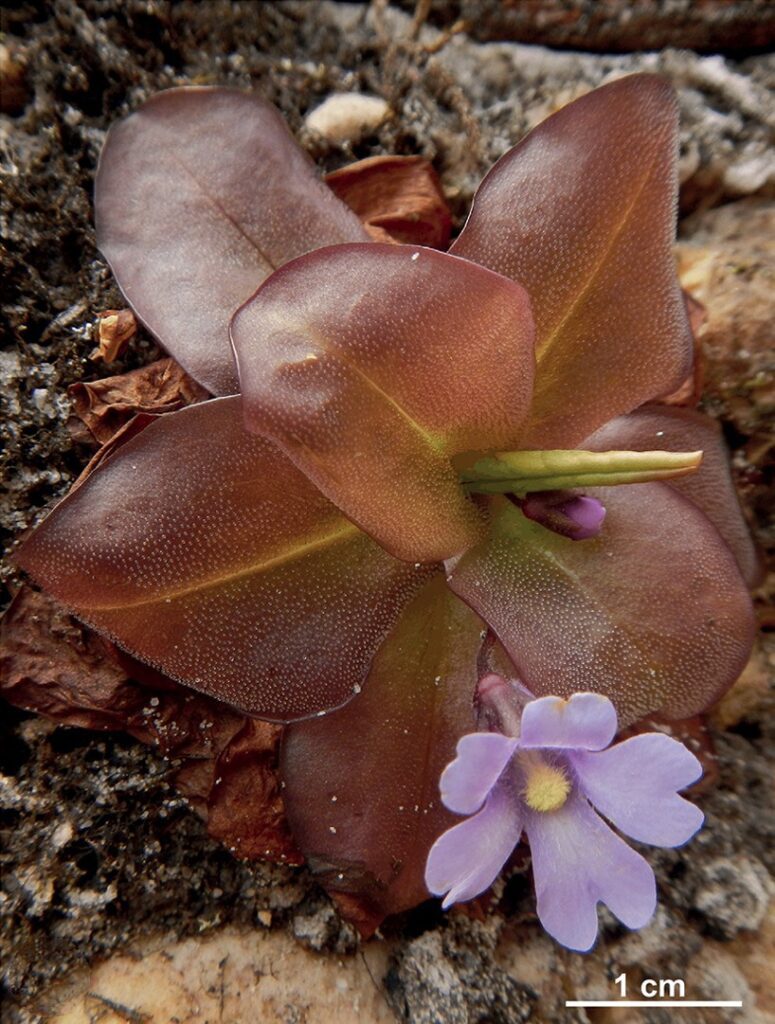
(577,517)
(548,773)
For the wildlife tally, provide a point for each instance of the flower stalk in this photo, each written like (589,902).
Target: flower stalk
(524,471)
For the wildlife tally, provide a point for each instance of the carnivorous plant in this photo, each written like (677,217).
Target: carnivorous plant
(408,454)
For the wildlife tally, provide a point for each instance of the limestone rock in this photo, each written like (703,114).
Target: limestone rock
(733,894)
(347,117)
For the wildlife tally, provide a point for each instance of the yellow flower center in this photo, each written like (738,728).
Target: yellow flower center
(546,786)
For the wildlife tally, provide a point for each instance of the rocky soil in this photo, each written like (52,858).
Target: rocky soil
(114,903)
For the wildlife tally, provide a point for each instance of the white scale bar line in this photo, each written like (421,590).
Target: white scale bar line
(656,1002)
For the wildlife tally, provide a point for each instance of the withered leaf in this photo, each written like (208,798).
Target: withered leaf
(50,664)
(223,763)
(104,406)
(245,808)
(115,329)
(398,199)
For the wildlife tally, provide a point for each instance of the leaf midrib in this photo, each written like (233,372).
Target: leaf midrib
(341,535)
(228,217)
(544,347)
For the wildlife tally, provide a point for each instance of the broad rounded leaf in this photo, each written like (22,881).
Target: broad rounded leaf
(710,488)
(200,195)
(652,613)
(362,785)
(371,365)
(200,549)
(582,213)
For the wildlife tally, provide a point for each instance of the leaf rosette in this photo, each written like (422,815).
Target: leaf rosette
(322,538)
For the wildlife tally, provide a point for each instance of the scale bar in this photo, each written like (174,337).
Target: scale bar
(691,1003)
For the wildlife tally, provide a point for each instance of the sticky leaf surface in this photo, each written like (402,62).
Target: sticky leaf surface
(362,785)
(710,488)
(652,612)
(582,213)
(370,365)
(200,549)
(200,195)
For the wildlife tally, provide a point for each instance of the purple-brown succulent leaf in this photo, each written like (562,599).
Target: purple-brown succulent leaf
(361,785)
(200,195)
(200,549)
(582,213)
(711,488)
(371,366)
(652,613)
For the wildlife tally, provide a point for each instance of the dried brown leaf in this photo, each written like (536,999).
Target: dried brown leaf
(104,406)
(246,810)
(358,911)
(223,763)
(398,199)
(52,665)
(115,329)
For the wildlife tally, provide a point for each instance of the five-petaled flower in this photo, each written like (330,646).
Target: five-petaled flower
(550,781)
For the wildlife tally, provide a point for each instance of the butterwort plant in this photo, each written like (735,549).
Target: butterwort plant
(407,454)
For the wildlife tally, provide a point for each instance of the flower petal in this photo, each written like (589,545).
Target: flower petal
(577,863)
(586,721)
(465,860)
(634,785)
(575,516)
(466,781)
